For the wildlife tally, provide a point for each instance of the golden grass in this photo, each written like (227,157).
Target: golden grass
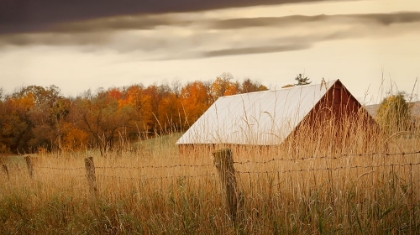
(313,184)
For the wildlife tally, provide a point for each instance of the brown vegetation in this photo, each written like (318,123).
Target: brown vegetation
(34,117)
(366,183)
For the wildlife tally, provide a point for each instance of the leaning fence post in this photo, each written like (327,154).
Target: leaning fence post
(90,174)
(6,171)
(224,165)
(30,166)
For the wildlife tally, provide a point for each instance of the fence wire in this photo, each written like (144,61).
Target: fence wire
(153,167)
(329,168)
(340,156)
(337,157)
(157,178)
(60,168)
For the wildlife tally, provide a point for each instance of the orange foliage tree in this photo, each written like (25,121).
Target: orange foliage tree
(195,100)
(169,113)
(74,138)
(142,103)
(223,86)
(103,118)
(39,117)
(15,129)
(249,86)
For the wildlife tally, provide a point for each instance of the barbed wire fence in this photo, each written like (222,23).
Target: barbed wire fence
(31,166)
(224,164)
(335,157)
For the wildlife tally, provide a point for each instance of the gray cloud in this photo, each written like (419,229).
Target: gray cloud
(264,21)
(138,22)
(255,50)
(395,18)
(380,19)
(173,37)
(55,39)
(18,16)
(150,22)
(233,51)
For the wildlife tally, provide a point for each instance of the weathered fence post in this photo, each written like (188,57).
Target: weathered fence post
(29,164)
(6,171)
(90,174)
(224,164)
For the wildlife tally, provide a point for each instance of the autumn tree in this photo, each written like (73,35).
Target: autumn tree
(14,123)
(157,107)
(4,115)
(35,116)
(249,86)
(393,114)
(176,87)
(195,100)
(141,101)
(222,86)
(3,146)
(225,85)
(103,118)
(46,115)
(197,97)
(73,137)
(31,119)
(169,113)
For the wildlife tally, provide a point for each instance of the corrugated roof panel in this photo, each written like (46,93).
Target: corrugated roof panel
(257,118)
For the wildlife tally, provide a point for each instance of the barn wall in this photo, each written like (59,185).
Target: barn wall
(338,105)
(338,112)
(240,152)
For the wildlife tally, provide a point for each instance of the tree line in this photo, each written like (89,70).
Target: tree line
(35,117)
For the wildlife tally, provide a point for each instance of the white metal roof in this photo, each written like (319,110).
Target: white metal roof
(256,118)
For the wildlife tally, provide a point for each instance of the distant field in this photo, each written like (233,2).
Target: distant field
(149,188)
(165,144)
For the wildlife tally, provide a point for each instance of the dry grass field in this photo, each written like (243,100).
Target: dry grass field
(366,183)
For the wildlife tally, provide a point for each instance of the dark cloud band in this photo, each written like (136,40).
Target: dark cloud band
(178,36)
(150,22)
(34,15)
(381,19)
(255,50)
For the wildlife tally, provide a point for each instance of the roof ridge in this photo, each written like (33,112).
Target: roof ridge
(307,85)
(285,88)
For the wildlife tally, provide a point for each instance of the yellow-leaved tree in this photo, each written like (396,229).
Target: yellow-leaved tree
(393,114)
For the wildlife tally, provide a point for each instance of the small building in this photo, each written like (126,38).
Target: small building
(270,118)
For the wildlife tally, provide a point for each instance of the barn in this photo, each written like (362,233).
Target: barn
(270,118)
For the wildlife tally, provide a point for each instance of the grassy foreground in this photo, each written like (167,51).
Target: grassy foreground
(351,189)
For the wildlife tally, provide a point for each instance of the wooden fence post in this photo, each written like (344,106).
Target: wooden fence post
(6,171)
(30,166)
(90,174)
(224,164)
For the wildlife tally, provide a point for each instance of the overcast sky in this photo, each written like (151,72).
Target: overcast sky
(85,44)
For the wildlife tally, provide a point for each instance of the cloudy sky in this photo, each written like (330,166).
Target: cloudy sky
(85,44)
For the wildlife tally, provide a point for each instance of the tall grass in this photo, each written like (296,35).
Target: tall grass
(314,183)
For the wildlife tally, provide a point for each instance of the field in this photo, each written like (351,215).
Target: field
(323,186)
